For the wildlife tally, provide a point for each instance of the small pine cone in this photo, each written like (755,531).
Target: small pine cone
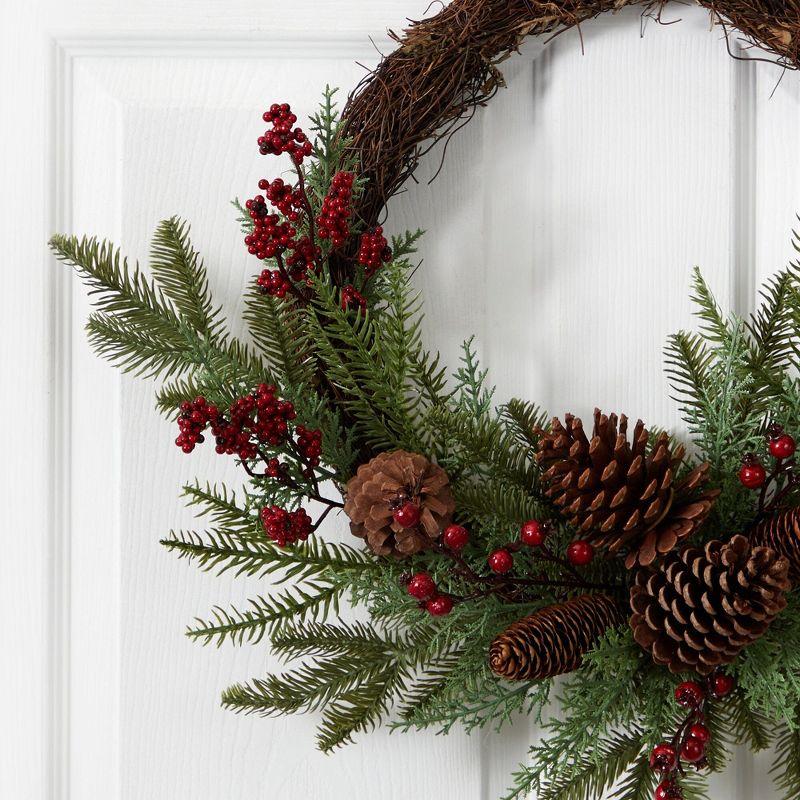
(386,482)
(781,532)
(554,639)
(699,608)
(622,496)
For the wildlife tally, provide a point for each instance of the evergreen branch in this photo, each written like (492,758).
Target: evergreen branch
(277,329)
(714,325)
(523,419)
(785,770)
(265,614)
(179,271)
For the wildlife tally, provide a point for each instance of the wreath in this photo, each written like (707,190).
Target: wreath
(493,550)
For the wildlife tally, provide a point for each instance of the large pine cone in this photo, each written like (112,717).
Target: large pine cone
(553,640)
(621,496)
(781,532)
(699,608)
(387,481)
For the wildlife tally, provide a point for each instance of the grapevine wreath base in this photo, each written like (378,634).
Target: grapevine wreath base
(493,550)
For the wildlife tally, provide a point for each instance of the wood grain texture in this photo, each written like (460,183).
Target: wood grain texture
(561,231)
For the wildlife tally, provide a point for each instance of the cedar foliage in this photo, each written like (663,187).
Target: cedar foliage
(731,377)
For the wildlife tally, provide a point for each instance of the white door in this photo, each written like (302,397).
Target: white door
(561,231)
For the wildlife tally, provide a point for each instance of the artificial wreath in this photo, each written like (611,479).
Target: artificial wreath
(493,550)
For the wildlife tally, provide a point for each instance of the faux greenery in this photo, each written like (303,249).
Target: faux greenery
(366,381)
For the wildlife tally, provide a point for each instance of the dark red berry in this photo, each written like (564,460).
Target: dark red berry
(721,684)
(580,553)
(699,731)
(693,750)
(668,790)
(532,533)
(752,474)
(782,446)
(689,694)
(663,758)
(439,606)
(407,515)
(455,537)
(501,561)
(421,586)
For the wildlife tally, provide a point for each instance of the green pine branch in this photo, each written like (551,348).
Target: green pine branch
(265,614)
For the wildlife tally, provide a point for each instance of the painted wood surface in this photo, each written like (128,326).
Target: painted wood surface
(561,231)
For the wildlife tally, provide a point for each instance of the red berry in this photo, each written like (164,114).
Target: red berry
(407,515)
(580,553)
(668,790)
(501,561)
(721,684)
(455,537)
(752,474)
(692,750)
(439,606)
(532,533)
(689,694)
(782,446)
(663,758)
(422,586)
(700,732)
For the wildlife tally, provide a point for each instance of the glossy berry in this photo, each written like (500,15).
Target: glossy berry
(406,515)
(421,586)
(700,732)
(532,533)
(501,561)
(455,537)
(580,553)
(721,684)
(689,694)
(752,474)
(782,446)
(439,606)
(668,790)
(693,750)
(663,758)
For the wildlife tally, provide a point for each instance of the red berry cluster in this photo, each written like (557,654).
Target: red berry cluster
(286,527)
(285,197)
(283,138)
(257,418)
(270,236)
(192,421)
(260,418)
(309,444)
(423,588)
(333,219)
(351,298)
(690,742)
(373,250)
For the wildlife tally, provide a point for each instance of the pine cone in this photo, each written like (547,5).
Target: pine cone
(699,608)
(384,483)
(554,639)
(781,532)
(619,495)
